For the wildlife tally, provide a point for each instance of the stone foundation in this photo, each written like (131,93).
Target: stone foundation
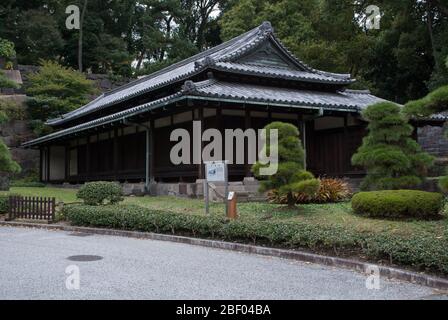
(246,190)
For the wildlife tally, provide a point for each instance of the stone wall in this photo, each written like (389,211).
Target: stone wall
(433,141)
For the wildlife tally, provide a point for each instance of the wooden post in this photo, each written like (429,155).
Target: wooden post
(247,124)
(41,159)
(232,212)
(151,151)
(345,157)
(67,162)
(48,164)
(115,143)
(201,119)
(53,208)
(88,158)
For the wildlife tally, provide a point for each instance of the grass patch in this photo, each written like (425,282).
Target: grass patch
(61,194)
(334,214)
(333,228)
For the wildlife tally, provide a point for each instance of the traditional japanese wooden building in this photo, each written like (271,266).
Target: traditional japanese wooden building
(247,82)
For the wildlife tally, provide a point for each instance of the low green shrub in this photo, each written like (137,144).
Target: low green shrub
(4,203)
(398,204)
(100,192)
(423,251)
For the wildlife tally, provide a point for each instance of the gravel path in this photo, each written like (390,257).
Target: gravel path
(33,265)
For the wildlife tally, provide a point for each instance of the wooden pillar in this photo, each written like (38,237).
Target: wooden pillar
(220,127)
(303,138)
(201,174)
(41,159)
(48,163)
(67,162)
(115,154)
(345,158)
(151,151)
(247,124)
(88,176)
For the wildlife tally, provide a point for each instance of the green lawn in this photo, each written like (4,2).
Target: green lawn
(339,214)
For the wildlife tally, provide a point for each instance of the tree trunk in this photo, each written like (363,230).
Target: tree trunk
(431,34)
(81,23)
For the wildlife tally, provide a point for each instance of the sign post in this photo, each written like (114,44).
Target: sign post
(215,171)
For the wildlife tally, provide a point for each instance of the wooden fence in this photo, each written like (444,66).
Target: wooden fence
(33,208)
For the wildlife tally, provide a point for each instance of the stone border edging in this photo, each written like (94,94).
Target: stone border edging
(387,272)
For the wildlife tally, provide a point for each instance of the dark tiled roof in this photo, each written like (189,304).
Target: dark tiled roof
(106,120)
(219,56)
(281,73)
(348,100)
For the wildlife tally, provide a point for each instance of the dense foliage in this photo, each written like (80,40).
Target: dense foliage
(56,90)
(398,204)
(330,190)
(5,82)
(12,110)
(7,164)
(100,192)
(402,60)
(399,62)
(420,250)
(4,203)
(392,159)
(436,101)
(290,176)
(7,49)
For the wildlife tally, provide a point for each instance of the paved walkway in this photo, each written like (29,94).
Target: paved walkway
(33,265)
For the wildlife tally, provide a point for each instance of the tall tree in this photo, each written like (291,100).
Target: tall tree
(56,90)
(290,176)
(392,159)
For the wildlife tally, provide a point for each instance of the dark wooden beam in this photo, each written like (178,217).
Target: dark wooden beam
(151,150)
(247,125)
(88,158)
(116,153)
(345,158)
(201,174)
(67,161)
(48,163)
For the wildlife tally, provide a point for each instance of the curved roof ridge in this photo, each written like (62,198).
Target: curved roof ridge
(183,62)
(228,51)
(357,91)
(303,64)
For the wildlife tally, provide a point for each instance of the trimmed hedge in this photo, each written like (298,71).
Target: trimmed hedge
(100,192)
(423,251)
(398,204)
